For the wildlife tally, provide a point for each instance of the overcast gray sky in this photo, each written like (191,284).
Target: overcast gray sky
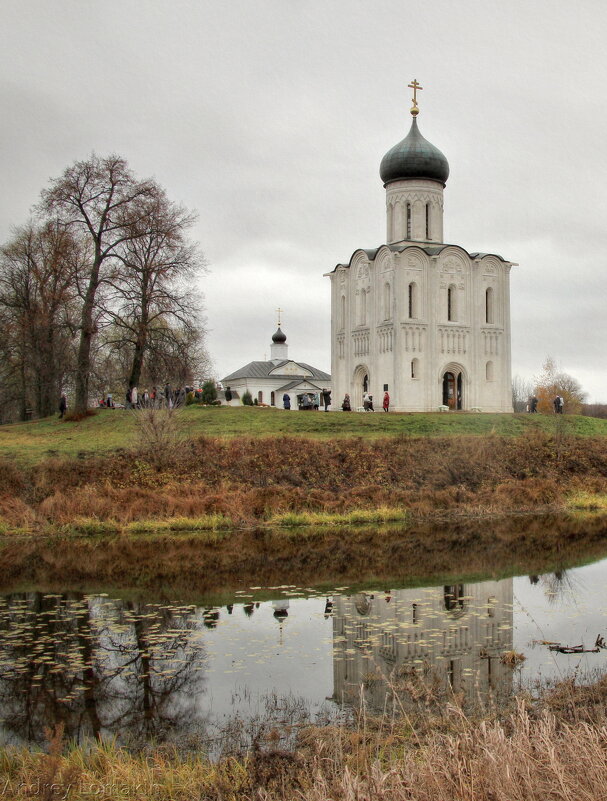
(270,118)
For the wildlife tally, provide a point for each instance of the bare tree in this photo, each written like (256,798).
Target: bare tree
(101,203)
(522,390)
(37,301)
(155,290)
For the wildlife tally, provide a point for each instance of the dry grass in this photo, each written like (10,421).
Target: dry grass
(251,480)
(547,749)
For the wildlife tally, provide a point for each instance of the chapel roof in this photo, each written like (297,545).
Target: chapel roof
(271,369)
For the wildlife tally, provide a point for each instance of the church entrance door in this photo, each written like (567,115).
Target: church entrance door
(361,385)
(452,390)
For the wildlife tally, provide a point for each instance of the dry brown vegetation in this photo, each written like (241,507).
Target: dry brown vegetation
(250,479)
(552,748)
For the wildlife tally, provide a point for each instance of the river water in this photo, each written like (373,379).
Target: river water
(217,675)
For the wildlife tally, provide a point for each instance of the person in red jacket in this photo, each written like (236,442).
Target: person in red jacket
(386,403)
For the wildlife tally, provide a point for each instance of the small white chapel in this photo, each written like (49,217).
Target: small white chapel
(270,380)
(426,321)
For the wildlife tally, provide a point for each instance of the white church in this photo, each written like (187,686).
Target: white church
(426,321)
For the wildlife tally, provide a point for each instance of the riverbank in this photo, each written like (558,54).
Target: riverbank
(213,483)
(548,747)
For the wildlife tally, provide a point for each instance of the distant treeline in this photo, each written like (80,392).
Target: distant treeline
(595,410)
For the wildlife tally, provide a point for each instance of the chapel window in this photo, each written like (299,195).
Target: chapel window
(489,317)
(409,222)
(489,371)
(260,397)
(415,368)
(342,313)
(363,307)
(427,221)
(272,399)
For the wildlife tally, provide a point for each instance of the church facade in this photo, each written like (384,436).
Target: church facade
(425,320)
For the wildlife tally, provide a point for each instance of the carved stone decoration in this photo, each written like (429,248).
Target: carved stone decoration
(363,272)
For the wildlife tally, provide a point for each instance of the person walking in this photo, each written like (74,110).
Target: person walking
(326,398)
(62,406)
(134,398)
(286,402)
(386,403)
(345,404)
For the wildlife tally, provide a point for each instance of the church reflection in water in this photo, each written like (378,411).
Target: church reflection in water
(140,671)
(416,641)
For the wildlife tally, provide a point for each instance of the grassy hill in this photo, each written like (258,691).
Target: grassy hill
(111,430)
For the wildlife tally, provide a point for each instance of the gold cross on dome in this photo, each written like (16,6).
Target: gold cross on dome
(279,312)
(415,86)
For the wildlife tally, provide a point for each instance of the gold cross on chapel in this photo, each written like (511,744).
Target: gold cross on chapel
(279,312)
(415,86)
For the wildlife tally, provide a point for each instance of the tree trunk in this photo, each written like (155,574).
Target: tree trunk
(138,355)
(87,331)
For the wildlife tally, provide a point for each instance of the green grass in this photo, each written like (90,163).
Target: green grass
(110,430)
(353,518)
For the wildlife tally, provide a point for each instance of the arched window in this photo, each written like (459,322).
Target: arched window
(451,303)
(413,301)
(272,399)
(363,307)
(489,371)
(427,221)
(396,222)
(489,317)
(342,313)
(415,368)
(409,222)
(260,397)
(387,301)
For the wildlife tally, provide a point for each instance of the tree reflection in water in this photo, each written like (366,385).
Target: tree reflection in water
(100,667)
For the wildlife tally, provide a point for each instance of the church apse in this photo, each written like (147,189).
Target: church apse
(446,638)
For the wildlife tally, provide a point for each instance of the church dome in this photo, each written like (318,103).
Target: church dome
(414,157)
(279,337)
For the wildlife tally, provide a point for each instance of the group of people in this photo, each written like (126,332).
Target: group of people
(346,404)
(309,401)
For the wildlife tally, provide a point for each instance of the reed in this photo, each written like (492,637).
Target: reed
(551,747)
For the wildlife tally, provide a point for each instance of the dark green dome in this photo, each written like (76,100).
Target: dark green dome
(414,157)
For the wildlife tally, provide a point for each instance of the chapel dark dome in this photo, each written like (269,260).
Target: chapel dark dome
(279,337)
(414,157)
